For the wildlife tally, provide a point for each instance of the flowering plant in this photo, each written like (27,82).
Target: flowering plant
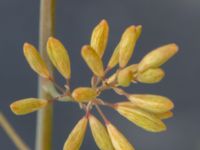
(145,110)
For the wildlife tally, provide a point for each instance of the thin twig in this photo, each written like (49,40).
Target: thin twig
(58,87)
(19,143)
(103,103)
(102,114)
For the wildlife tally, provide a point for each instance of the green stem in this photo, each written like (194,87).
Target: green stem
(45,116)
(19,143)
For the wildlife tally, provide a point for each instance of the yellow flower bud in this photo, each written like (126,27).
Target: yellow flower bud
(141,118)
(28,105)
(132,69)
(84,94)
(114,59)
(158,57)
(127,45)
(124,77)
(35,61)
(119,141)
(76,136)
(138,31)
(99,37)
(165,115)
(59,57)
(152,75)
(152,103)
(100,134)
(93,61)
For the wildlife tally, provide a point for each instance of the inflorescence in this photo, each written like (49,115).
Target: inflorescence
(145,110)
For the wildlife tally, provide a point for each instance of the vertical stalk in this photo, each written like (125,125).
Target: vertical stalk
(45,116)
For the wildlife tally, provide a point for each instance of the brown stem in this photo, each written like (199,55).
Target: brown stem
(45,116)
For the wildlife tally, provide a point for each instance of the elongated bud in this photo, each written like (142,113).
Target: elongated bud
(59,57)
(152,103)
(84,94)
(100,134)
(99,37)
(165,115)
(124,77)
(114,59)
(151,75)
(138,31)
(158,57)
(76,136)
(28,105)
(35,61)
(127,45)
(93,61)
(141,118)
(132,68)
(119,141)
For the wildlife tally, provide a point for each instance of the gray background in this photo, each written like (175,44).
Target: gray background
(163,22)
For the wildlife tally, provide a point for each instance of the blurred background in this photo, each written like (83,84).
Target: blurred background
(163,22)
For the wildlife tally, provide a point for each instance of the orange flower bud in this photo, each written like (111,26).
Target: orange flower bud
(99,37)
(76,137)
(28,105)
(100,134)
(84,94)
(59,57)
(152,103)
(127,45)
(35,61)
(93,61)
(158,57)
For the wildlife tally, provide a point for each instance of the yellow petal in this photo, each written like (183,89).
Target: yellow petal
(158,57)
(165,115)
(141,118)
(93,61)
(119,141)
(100,134)
(114,59)
(152,75)
(84,94)
(35,61)
(28,105)
(59,57)
(138,31)
(99,37)
(76,136)
(127,45)
(124,77)
(152,103)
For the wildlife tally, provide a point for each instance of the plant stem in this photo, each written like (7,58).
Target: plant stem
(45,116)
(12,134)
